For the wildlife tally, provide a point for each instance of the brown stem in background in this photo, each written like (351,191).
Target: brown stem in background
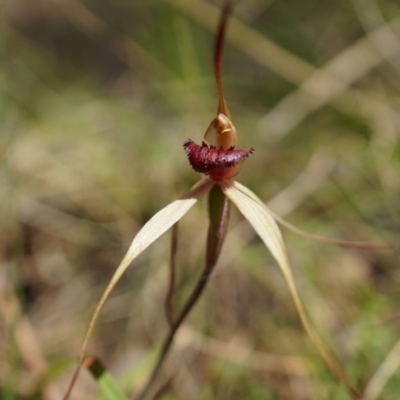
(219,211)
(165,388)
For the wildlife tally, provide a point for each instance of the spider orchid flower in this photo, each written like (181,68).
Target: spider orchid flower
(221,161)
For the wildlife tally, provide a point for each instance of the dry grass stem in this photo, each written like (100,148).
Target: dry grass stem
(384,373)
(232,353)
(327,83)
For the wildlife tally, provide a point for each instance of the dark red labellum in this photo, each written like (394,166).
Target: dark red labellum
(205,158)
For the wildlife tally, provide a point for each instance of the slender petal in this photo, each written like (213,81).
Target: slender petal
(150,232)
(264,224)
(321,239)
(350,244)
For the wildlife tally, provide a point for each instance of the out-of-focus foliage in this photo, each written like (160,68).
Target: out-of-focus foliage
(96,99)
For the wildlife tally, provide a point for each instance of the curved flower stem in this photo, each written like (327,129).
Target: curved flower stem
(219,211)
(218,53)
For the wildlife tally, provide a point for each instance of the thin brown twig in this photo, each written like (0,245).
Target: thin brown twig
(166,387)
(194,297)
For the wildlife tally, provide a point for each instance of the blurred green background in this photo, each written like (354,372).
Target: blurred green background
(97,98)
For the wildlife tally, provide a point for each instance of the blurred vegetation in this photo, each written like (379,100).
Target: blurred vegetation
(97,98)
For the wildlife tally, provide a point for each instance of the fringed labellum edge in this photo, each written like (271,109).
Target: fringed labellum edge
(218,164)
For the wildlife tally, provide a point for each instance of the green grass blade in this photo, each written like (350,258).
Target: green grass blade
(106,382)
